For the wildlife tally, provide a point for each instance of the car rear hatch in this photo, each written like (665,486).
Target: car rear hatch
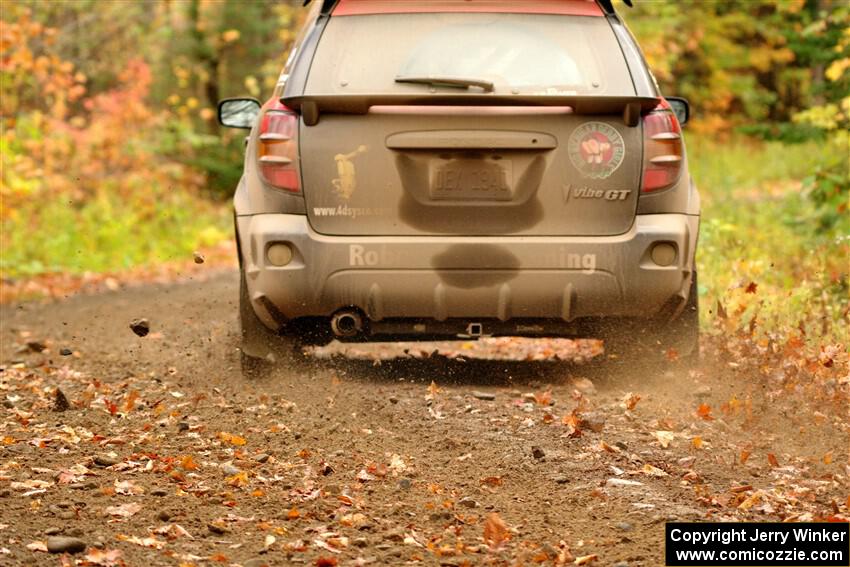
(469,123)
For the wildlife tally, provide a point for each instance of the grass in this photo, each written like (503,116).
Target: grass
(112,232)
(758,226)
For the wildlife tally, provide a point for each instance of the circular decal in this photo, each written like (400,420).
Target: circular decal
(596,149)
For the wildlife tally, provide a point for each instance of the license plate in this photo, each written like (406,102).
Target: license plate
(472,180)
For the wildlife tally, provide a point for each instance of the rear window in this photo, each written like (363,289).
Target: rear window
(517,53)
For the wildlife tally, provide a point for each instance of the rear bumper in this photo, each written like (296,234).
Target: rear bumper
(442,278)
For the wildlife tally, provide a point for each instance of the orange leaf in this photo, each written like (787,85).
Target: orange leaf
(630,401)
(495,531)
(704,411)
(544,399)
(827,458)
(752,287)
(293,514)
(326,562)
(433,389)
(492,481)
(744,456)
(131,400)
(571,419)
(231,439)
(111,406)
(219,557)
(697,442)
(188,463)
(239,479)
(771,458)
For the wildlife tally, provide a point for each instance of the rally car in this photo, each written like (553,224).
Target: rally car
(462,169)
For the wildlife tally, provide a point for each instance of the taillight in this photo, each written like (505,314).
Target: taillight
(663,151)
(278,147)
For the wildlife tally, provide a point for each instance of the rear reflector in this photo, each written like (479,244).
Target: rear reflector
(558,7)
(278,147)
(663,149)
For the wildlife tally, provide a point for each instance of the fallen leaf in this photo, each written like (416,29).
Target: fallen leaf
(239,480)
(397,465)
(697,442)
(37,546)
(364,476)
(124,510)
(653,470)
(751,287)
(173,531)
(128,488)
(103,557)
(131,400)
(495,531)
(630,400)
(573,422)
(293,514)
(664,438)
(586,559)
(231,439)
(150,542)
(60,401)
(771,458)
(744,456)
(544,399)
(704,411)
(827,458)
(751,500)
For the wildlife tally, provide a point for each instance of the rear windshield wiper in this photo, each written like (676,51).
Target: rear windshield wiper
(447,81)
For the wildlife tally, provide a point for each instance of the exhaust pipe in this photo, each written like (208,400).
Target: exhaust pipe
(346,323)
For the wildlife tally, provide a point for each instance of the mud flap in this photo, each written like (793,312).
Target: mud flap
(658,338)
(257,340)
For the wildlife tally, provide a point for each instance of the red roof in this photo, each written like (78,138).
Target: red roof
(559,7)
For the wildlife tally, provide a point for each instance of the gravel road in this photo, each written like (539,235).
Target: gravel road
(157,451)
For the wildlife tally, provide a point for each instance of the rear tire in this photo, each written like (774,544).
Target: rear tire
(262,350)
(653,341)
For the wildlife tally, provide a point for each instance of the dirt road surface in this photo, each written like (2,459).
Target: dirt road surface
(157,451)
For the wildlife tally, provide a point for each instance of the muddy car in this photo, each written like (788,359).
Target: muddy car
(462,169)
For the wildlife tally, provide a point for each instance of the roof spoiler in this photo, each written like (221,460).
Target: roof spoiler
(606,5)
(312,106)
